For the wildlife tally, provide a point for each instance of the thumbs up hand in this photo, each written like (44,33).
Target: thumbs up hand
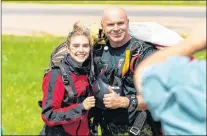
(114,101)
(111,99)
(111,90)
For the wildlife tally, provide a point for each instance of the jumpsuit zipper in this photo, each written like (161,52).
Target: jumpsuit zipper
(78,128)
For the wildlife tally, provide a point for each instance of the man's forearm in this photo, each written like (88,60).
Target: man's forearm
(124,102)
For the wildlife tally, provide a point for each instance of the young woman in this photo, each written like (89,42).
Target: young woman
(64,115)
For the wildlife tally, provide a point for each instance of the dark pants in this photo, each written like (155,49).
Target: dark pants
(147,130)
(150,128)
(53,131)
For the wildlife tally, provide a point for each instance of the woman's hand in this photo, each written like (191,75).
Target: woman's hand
(89,102)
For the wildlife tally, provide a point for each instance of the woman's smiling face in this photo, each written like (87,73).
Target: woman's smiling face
(79,48)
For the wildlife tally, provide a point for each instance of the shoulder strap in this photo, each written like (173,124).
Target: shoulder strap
(68,82)
(133,61)
(96,54)
(134,44)
(139,49)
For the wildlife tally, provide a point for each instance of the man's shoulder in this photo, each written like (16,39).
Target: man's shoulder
(139,41)
(138,44)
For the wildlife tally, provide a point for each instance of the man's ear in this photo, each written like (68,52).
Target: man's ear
(102,27)
(128,23)
(102,24)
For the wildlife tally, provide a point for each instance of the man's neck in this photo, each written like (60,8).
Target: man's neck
(116,45)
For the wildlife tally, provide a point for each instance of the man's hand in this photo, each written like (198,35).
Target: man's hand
(114,101)
(89,102)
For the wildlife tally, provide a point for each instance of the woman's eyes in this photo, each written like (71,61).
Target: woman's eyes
(76,46)
(85,45)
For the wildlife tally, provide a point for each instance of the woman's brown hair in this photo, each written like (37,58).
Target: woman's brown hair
(78,29)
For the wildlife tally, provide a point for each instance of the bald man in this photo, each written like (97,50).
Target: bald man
(118,111)
(115,25)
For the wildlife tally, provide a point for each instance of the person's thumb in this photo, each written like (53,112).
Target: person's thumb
(110,90)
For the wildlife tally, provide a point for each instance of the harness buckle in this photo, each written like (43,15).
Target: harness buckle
(65,79)
(134,130)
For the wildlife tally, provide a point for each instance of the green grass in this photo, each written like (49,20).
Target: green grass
(200,55)
(144,2)
(23,61)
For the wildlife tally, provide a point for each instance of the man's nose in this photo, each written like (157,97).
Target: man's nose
(116,27)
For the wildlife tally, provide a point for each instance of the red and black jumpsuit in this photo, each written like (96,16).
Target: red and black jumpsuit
(71,118)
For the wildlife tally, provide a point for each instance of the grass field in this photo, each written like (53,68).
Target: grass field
(23,61)
(122,2)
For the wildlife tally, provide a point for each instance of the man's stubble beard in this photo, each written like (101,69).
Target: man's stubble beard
(120,43)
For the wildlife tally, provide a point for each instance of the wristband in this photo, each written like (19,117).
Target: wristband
(133,102)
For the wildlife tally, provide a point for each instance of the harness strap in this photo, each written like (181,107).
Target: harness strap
(137,56)
(129,58)
(125,66)
(138,123)
(68,83)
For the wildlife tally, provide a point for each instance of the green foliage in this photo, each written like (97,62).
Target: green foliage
(122,2)
(23,61)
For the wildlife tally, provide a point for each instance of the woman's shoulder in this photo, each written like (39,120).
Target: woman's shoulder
(53,73)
